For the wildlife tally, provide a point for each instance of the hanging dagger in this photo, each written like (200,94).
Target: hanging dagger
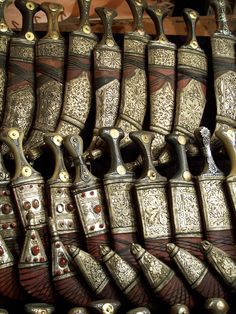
(20,95)
(50,55)
(223,55)
(229,140)
(152,200)
(191,85)
(118,183)
(5,35)
(78,87)
(214,205)
(107,71)
(89,198)
(62,206)
(162,279)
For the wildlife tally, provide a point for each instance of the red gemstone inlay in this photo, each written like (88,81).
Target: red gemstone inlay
(58,272)
(58,245)
(92,228)
(5,226)
(6,209)
(62,262)
(101,225)
(35,259)
(83,194)
(70,207)
(33,236)
(97,209)
(91,193)
(35,250)
(1,251)
(42,260)
(27,205)
(66,271)
(35,203)
(13,225)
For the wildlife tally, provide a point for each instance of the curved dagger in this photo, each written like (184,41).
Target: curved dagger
(20,94)
(107,71)
(215,209)
(78,87)
(89,198)
(50,58)
(62,206)
(152,200)
(5,35)
(191,85)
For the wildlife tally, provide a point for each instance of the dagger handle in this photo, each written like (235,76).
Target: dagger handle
(28,9)
(137,8)
(178,143)
(84,7)
(144,141)
(53,11)
(219,7)
(158,15)
(191,17)
(107,16)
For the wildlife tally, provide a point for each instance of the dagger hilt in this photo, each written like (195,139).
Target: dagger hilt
(53,11)
(144,140)
(158,15)
(14,138)
(191,17)
(113,136)
(4,29)
(203,137)
(84,7)
(28,9)
(221,19)
(179,142)
(60,174)
(229,140)
(107,16)
(74,146)
(137,8)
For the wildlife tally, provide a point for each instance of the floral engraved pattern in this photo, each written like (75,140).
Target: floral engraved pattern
(161,57)
(232,189)
(225,88)
(123,274)
(191,100)
(77,100)
(121,210)
(191,267)
(48,49)
(134,46)
(2,90)
(107,103)
(191,59)
(185,209)
(81,46)
(215,209)
(154,212)
(19,52)
(135,97)
(66,128)
(4,44)
(162,104)
(107,59)
(223,47)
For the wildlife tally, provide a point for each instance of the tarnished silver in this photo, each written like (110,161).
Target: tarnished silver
(216,306)
(179,309)
(105,306)
(139,310)
(39,308)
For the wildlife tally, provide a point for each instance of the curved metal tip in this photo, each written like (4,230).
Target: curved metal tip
(170,247)
(206,245)
(104,250)
(72,249)
(216,305)
(179,309)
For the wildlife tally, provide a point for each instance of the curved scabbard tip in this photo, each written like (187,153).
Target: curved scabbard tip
(72,249)
(171,248)
(179,309)
(78,310)
(206,246)
(31,308)
(136,249)
(216,306)
(104,250)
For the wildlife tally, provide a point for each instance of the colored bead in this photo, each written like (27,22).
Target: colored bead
(66,271)
(35,203)
(33,236)
(27,205)
(58,272)
(91,193)
(13,225)
(6,209)
(62,262)
(5,226)
(42,260)
(35,259)
(92,228)
(83,194)
(101,225)
(35,250)
(70,207)
(97,209)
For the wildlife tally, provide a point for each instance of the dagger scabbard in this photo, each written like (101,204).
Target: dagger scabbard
(78,86)
(223,55)
(107,72)
(118,184)
(65,279)
(89,198)
(27,185)
(20,93)
(94,273)
(196,273)
(223,263)
(50,56)
(134,80)
(217,220)
(33,267)
(161,74)
(186,224)
(162,279)
(152,200)
(62,206)
(126,277)
(5,35)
